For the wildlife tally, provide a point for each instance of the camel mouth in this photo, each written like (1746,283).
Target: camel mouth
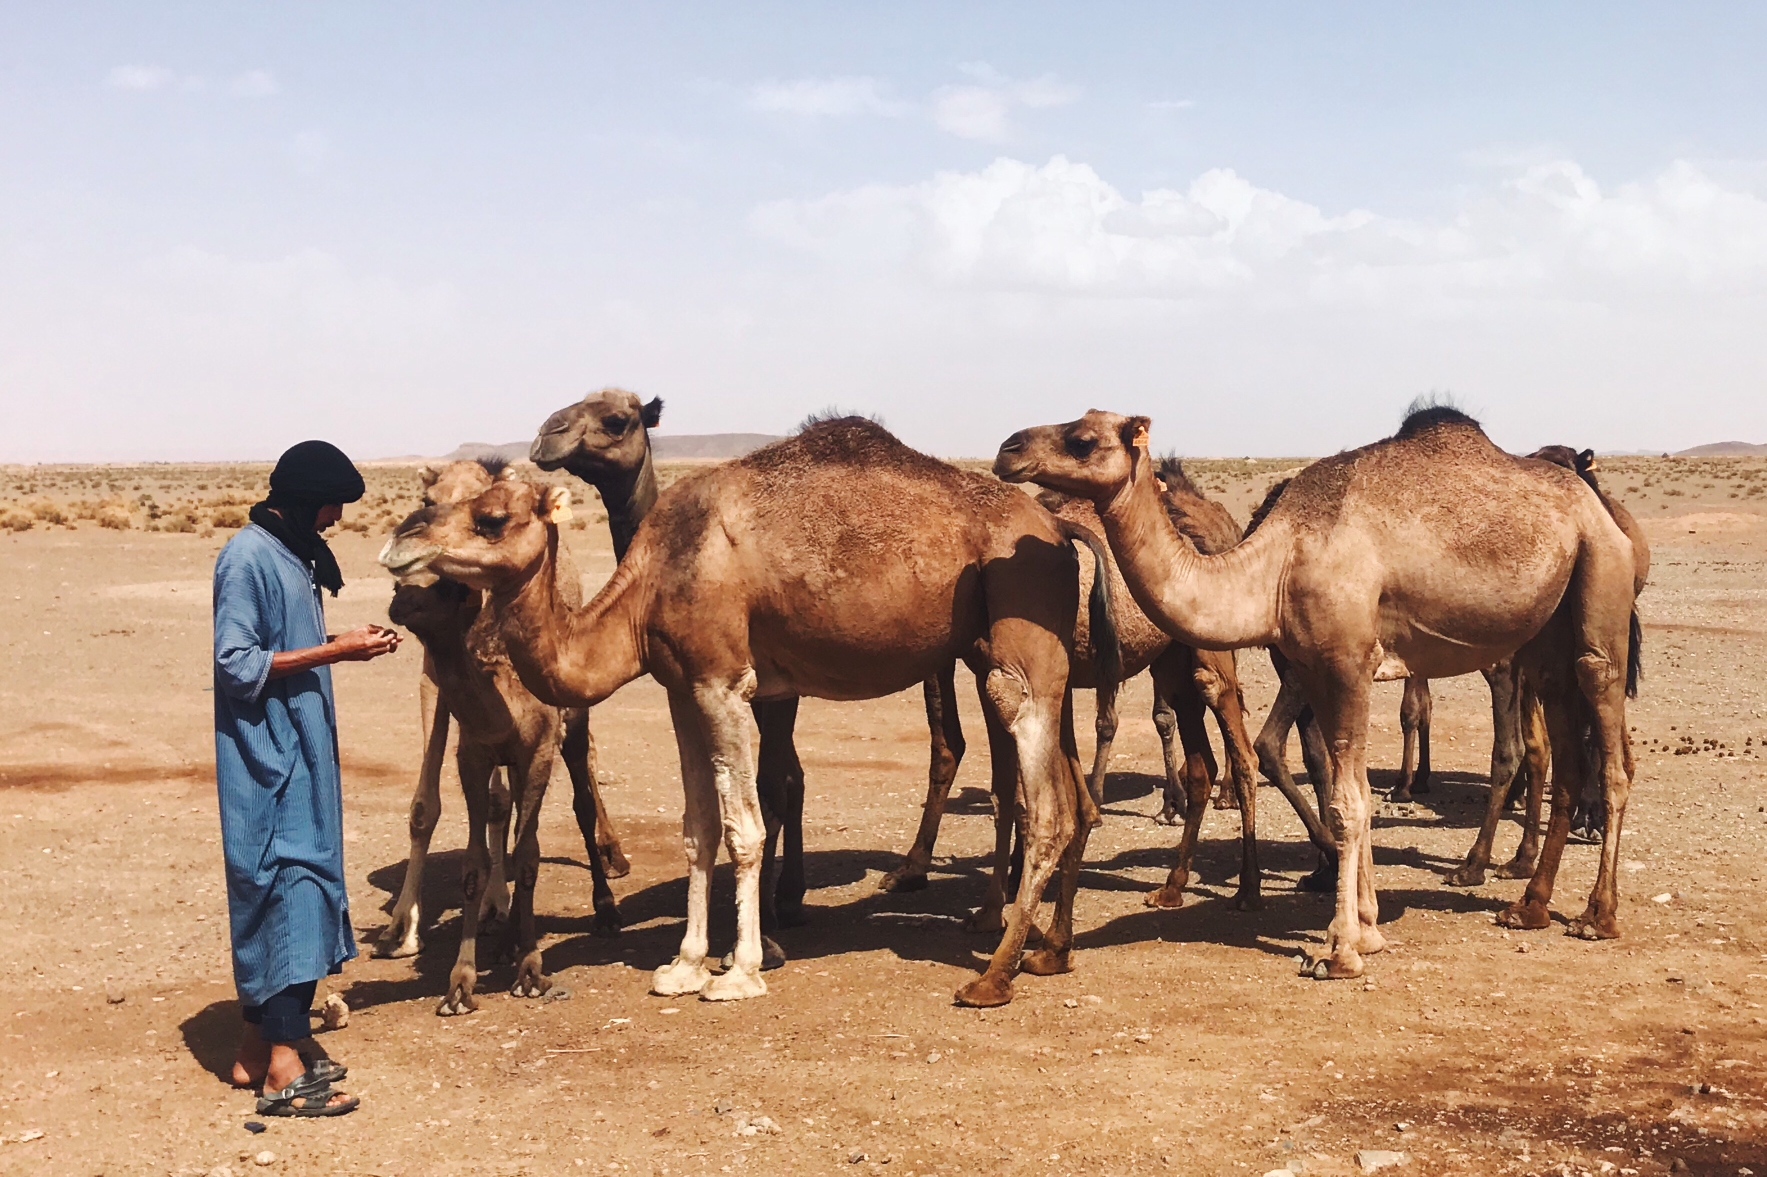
(550,450)
(409,562)
(1012,468)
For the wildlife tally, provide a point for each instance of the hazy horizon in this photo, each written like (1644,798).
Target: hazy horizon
(1268,227)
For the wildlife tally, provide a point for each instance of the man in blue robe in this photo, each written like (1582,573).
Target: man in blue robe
(276,770)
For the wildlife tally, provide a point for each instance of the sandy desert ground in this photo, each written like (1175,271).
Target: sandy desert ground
(1184,1042)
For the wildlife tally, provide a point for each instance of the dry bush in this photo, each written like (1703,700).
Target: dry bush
(14,520)
(115,519)
(229,516)
(48,512)
(178,522)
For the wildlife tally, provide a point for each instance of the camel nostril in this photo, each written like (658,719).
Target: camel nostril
(1014,444)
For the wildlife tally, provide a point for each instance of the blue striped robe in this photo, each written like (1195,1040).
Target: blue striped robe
(276,769)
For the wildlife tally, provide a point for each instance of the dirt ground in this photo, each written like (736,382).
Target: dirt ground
(1185,1042)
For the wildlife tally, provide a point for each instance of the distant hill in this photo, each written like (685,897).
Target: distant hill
(1725,449)
(667,446)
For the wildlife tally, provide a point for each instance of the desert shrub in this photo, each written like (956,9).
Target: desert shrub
(48,512)
(178,522)
(228,516)
(17,521)
(115,519)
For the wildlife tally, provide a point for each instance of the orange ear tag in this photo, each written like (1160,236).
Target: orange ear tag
(1140,438)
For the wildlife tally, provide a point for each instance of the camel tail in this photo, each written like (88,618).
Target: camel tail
(1107,654)
(1634,657)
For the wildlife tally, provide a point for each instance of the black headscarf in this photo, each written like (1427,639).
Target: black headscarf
(307,477)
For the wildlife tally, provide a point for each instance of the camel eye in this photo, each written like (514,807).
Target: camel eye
(614,425)
(1082,447)
(490,526)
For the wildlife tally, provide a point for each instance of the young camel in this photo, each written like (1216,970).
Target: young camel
(503,727)
(453,483)
(1376,557)
(838,564)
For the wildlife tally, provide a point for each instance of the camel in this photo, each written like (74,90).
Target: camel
(1187,684)
(1527,715)
(502,727)
(400,938)
(837,563)
(1377,558)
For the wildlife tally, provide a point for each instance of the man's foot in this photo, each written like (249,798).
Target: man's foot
(252,1062)
(311,1094)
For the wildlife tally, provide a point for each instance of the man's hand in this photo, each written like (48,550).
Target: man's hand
(365,643)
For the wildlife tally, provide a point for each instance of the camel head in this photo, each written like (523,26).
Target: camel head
(496,539)
(430,610)
(1092,458)
(458,481)
(599,437)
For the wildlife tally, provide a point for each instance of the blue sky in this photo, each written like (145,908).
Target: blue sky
(225,227)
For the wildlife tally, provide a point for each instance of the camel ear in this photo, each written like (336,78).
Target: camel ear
(1586,460)
(428,475)
(1134,433)
(555,505)
(652,412)
(507,474)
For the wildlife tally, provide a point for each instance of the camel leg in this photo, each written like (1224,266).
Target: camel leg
(1105,728)
(496,899)
(1271,749)
(1034,719)
(1176,680)
(779,781)
(528,782)
(1221,692)
(1317,758)
(1004,775)
(1340,700)
(1165,721)
(1414,721)
(600,840)
(1601,676)
(1505,743)
(476,766)
(945,733)
(1564,733)
(1537,755)
(726,722)
(688,973)
(578,751)
(400,937)
(1054,955)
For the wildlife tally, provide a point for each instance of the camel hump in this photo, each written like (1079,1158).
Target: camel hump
(1422,419)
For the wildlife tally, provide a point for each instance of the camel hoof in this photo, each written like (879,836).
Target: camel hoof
(1248,901)
(1588,928)
(985,920)
(614,862)
(903,879)
(1465,876)
(607,922)
(772,957)
(1372,941)
(1168,817)
(1343,966)
(1400,796)
(1167,896)
(529,980)
(1524,916)
(1321,879)
(734,985)
(398,941)
(1226,800)
(985,992)
(679,977)
(1046,962)
(1515,868)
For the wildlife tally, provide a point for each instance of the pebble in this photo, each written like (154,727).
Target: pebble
(113,992)
(722,1106)
(334,1014)
(559,993)
(934,1057)
(254,1126)
(264,1158)
(855,1158)
(1371,1159)
(221,1171)
(1070,1003)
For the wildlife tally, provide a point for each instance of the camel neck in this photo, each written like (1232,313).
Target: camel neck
(628,496)
(466,682)
(1219,602)
(572,658)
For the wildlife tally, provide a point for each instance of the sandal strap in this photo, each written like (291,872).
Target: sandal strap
(314,1090)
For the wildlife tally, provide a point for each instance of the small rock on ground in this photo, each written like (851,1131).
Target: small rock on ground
(1371,1159)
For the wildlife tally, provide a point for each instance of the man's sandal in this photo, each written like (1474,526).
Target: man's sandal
(306,1096)
(328,1069)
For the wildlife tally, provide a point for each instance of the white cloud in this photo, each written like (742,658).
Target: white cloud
(980,111)
(984,111)
(1547,231)
(256,83)
(141,77)
(826,97)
